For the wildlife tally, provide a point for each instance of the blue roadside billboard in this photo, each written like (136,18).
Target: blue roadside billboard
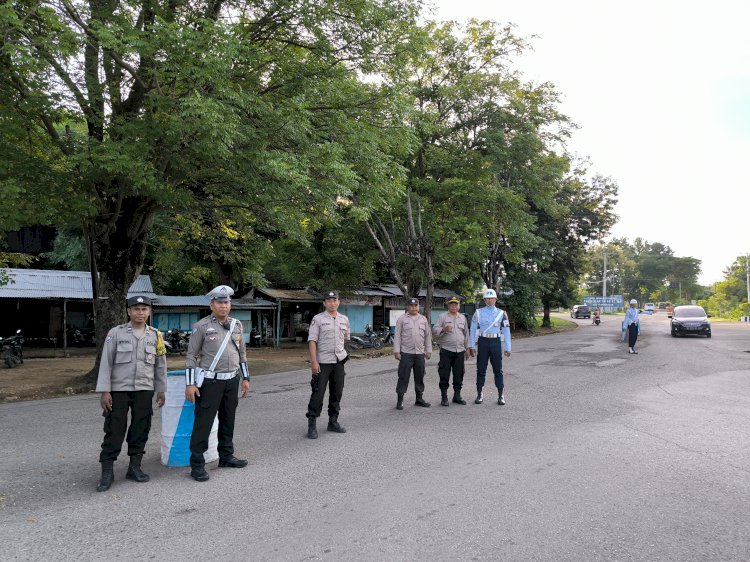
(606,303)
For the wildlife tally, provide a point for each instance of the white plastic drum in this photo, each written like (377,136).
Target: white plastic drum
(177,417)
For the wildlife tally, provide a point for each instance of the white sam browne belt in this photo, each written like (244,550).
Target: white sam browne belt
(491,336)
(219,376)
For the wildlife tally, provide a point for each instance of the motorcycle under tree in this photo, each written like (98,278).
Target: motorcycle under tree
(13,350)
(370,339)
(176,341)
(386,335)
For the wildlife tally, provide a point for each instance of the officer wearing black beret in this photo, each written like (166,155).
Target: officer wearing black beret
(132,368)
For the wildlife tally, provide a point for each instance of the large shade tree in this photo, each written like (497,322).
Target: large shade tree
(112,112)
(455,77)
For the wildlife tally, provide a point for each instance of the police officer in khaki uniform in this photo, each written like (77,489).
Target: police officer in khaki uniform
(452,331)
(328,333)
(133,366)
(411,346)
(217,392)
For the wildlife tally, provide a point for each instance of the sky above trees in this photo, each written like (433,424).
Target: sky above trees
(660,91)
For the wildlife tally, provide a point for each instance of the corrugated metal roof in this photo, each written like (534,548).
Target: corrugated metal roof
(291,294)
(394,291)
(170,300)
(204,301)
(377,291)
(372,292)
(50,284)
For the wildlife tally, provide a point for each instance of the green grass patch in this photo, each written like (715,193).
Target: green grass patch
(561,323)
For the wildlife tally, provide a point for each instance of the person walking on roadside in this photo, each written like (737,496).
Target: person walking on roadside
(493,328)
(133,366)
(329,331)
(411,346)
(632,325)
(452,331)
(215,361)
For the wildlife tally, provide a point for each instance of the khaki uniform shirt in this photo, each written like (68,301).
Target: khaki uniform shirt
(456,340)
(413,335)
(330,333)
(205,341)
(130,363)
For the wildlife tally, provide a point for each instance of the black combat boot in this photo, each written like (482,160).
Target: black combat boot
(312,431)
(444,397)
(480,396)
(501,399)
(108,476)
(421,402)
(400,401)
(334,425)
(457,398)
(198,473)
(134,470)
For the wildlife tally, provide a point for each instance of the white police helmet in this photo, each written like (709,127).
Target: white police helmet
(490,294)
(633,301)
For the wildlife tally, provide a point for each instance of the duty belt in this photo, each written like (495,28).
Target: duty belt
(490,336)
(219,376)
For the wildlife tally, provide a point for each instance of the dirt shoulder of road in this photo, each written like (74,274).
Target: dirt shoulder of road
(49,377)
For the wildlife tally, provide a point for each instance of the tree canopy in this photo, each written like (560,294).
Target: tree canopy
(294,142)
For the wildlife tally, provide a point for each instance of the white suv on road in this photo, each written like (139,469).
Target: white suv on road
(649,306)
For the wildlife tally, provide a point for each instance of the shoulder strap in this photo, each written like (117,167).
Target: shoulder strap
(223,345)
(499,316)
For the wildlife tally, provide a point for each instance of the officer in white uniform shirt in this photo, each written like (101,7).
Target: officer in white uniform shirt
(490,329)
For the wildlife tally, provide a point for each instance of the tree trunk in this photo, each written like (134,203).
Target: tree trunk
(430,288)
(119,252)
(546,322)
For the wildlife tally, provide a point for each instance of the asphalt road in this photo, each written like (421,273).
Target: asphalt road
(598,455)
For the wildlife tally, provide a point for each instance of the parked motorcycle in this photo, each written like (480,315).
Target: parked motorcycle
(13,350)
(370,340)
(80,336)
(386,335)
(176,341)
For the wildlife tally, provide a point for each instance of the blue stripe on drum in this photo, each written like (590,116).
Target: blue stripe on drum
(179,452)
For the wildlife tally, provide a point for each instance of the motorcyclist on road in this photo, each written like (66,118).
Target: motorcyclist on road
(596,316)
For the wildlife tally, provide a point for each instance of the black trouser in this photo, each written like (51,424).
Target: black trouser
(216,396)
(139,403)
(408,362)
(451,360)
(490,350)
(331,375)
(632,334)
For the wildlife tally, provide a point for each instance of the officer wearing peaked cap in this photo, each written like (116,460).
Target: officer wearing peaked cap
(215,361)
(452,331)
(493,328)
(411,346)
(329,332)
(133,366)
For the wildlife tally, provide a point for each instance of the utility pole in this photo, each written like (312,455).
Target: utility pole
(604,278)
